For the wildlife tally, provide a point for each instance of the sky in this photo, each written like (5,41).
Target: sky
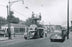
(52,11)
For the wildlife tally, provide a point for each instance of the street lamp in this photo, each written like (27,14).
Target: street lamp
(67,19)
(8,14)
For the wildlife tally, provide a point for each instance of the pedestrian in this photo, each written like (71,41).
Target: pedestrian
(9,33)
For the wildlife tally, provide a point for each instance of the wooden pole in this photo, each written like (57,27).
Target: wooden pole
(67,19)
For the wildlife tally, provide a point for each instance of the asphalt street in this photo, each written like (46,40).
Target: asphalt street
(35,43)
(41,42)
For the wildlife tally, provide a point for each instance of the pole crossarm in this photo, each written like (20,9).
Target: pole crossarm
(15,2)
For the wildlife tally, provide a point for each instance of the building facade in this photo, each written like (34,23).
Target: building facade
(15,28)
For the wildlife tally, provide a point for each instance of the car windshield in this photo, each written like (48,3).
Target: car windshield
(56,34)
(31,28)
(57,31)
(32,31)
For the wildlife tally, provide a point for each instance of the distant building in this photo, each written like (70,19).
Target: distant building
(51,28)
(15,28)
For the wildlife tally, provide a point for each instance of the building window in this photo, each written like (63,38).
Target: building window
(22,29)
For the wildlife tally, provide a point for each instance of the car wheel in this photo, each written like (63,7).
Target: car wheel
(51,40)
(45,35)
(25,37)
(64,39)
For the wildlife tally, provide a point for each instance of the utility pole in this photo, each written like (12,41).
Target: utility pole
(8,14)
(8,30)
(67,19)
(7,10)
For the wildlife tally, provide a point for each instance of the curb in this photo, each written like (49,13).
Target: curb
(3,38)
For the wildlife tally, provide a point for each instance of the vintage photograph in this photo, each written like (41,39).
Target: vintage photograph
(35,23)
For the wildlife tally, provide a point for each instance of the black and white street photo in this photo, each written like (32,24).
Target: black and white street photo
(35,23)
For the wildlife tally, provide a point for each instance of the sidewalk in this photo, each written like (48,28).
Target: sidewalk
(6,38)
(68,43)
(3,38)
(17,39)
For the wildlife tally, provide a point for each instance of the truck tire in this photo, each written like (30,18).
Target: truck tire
(25,38)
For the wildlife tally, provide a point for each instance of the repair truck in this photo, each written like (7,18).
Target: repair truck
(34,32)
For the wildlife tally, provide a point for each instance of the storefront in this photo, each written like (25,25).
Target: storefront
(15,28)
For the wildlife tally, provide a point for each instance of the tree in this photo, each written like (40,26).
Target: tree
(12,19)
(3,21)
(29,21)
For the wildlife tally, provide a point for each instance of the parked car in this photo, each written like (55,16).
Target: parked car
(2,33)
(58,35)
